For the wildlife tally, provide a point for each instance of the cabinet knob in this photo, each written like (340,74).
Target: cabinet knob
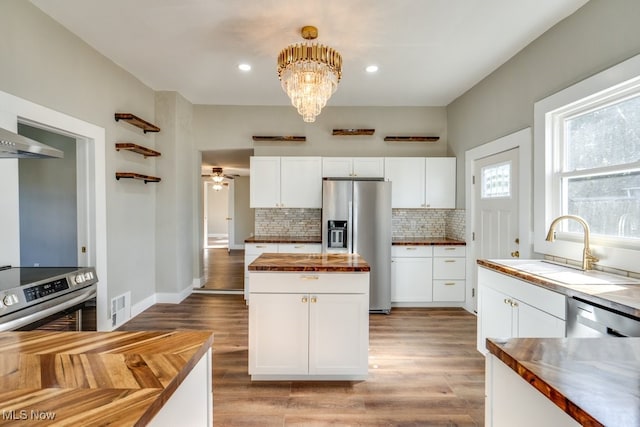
(305,300)
(515,254)
(314,299)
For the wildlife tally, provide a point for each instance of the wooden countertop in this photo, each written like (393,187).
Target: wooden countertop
(283,239)
(310,262)
(620,296)
(95,378)
(427,241)
(595,381)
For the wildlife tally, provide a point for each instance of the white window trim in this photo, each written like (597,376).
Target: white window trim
(621,76)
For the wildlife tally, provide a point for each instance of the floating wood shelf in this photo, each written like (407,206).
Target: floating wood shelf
(285,138)
(146,152)
(353,132)
(137,121)
(411,138)
(133,175)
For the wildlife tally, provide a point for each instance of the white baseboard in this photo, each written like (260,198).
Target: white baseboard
(198,282)
(236,246)
(173,298)
(142,305)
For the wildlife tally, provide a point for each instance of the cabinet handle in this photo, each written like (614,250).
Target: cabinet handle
(412,249)
(299,246)
(449,283)
(449,260)
(261,246)
(310,277)
(314,299)
(449,249)
(305,300)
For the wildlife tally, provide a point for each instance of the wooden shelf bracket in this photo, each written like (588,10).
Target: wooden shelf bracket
(137,121)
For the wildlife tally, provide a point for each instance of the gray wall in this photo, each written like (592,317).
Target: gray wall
(244,216)
(48,209)
(600,34)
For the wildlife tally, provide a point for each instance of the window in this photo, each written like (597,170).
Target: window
(597,167)
(496,181)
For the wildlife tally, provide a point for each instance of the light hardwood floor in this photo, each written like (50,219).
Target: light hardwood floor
(424,370)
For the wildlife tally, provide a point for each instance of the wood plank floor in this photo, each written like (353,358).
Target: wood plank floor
(223,270)
(424,370)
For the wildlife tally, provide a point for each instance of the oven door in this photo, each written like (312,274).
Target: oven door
(71,312)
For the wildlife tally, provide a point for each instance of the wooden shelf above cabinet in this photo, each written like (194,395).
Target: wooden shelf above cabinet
(353,132)
(282,138)
(144,151)
(133,175)
(137,121)
(412,138)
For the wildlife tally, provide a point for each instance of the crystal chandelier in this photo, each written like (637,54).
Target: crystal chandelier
(217,178)
(309,74)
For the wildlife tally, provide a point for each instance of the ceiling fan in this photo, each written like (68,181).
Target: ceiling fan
(217,175)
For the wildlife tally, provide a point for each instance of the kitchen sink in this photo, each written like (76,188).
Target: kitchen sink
(567,274)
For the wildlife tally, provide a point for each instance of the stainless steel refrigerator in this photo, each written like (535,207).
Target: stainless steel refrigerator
(356,218)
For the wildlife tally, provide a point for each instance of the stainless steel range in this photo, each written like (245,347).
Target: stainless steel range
(33,297)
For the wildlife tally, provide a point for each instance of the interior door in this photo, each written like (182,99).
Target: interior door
(495,222)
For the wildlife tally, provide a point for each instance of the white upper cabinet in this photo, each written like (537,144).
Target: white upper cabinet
(420,182)
(440,182)
(352,167)
(286,182)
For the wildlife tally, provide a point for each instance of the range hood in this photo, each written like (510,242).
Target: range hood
(15,146)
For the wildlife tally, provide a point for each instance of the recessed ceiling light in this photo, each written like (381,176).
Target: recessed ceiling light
(372,68)
(244,67)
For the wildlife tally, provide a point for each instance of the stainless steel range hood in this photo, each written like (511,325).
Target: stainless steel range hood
(15,146)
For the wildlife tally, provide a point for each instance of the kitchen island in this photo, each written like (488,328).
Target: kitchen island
(309,317)
(106,378)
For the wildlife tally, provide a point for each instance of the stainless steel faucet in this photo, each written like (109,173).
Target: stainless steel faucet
(587,258)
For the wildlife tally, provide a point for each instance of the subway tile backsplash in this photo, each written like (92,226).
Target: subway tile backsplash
(406,223)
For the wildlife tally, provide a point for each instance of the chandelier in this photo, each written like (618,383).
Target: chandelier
(309,74)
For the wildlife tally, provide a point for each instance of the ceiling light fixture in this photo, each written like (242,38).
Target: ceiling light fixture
(371,68)
(244,67)
(309,74)
(217,175)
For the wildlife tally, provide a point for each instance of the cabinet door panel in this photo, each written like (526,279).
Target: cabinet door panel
(336,167)
(301,182)
(412,280)
(496,316)
(407,177)
(338,334)
(368,167)
(440,182)
(264,182)
(449,268)
(278,334)
(534,323)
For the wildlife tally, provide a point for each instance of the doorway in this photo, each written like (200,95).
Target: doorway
(498,221)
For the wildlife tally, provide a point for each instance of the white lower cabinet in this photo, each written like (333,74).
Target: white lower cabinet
(425,275)
(309,326)
(512,401)
(509,307)
(254,250)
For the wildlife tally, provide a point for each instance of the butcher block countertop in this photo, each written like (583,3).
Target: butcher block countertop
(310,262)
(427,241)
(594,380)
(93,378)
(615,292)
(283,239)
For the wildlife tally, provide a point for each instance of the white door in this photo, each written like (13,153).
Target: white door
(231,216)
(495,222)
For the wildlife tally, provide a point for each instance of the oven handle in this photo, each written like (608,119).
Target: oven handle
(24,321)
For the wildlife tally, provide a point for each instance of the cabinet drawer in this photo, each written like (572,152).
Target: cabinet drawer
(309,282)
(260,248)
(449,268)
(450,251)
(402,251)
(448,290)
(299,248)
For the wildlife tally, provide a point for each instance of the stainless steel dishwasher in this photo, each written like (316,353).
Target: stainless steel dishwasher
(586,319)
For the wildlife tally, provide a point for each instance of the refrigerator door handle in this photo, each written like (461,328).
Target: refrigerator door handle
(350,230)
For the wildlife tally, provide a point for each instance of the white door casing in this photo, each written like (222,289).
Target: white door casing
(523,140)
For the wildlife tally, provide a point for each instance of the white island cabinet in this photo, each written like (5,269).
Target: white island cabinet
(309,317)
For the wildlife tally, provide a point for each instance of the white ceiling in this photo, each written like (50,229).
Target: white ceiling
(429,51)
